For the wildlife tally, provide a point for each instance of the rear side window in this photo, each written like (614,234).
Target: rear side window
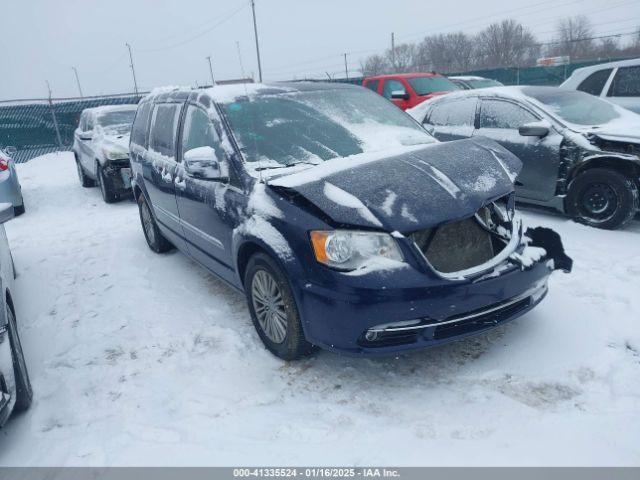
(373,85)
(139,129)
(164,123)
(626,83)
(454,113)
(594,83)
(391,86)
(499,114)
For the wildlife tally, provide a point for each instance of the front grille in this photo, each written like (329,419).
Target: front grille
(456,246)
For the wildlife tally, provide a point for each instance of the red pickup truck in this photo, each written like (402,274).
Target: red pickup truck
(407,90)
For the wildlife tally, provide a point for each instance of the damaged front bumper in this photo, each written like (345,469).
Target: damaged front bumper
(387,312)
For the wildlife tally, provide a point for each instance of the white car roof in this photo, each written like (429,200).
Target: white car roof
(580,74)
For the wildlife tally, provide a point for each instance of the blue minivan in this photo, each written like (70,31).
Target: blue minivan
(343,221)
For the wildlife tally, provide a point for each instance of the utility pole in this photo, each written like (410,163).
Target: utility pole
(135,83)
(255,31)
(53,115)
(393,50)
(213,82)
(78,81)
(346,68)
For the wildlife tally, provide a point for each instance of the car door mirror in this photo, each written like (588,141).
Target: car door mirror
(399,95)
(534,129)
(11,151)
(7,212)
(203,163)
(87,135)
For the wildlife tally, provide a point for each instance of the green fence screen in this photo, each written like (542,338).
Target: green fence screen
(36,127)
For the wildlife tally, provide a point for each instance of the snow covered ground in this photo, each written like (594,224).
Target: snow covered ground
(145,359)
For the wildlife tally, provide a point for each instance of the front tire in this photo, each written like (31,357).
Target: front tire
(85,181)
(106,186)
(156,241)
(602,198)
(24,391)
(273,309)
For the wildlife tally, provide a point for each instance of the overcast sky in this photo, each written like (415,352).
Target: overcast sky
(43,39)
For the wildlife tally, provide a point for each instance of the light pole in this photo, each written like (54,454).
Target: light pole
(346,68)
(135,83)
(78,81)
(213,82)
(255,31)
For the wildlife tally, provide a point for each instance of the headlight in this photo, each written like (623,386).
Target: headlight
(348,250)
(115,154)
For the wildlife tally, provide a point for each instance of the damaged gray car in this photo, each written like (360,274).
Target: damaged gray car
(580,154)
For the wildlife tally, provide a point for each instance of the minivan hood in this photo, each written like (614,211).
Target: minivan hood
(416,189)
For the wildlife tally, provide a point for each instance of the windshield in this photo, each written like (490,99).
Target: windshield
(118,120)
(427,85)
(314,126)
(483,83)
(575,107)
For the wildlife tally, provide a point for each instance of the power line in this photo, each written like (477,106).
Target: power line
(198,35)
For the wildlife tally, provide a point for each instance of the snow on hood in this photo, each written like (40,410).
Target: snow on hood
(107,141)
(409,191)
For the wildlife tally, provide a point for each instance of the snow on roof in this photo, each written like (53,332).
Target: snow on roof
(231,93)
(110,108)
(465,78)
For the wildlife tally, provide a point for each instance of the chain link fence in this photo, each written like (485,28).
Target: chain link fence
(38,126)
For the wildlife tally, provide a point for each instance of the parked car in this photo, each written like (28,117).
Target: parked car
(101,149)
(10,189)
(469,82)
(406,90)
(15,387)
(344,222)
(580,154)
(618,82)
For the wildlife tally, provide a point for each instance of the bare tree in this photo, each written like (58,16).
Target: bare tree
(608,48)
(451,52)
(404,58)
(506,44)
(574,37)
(375,65)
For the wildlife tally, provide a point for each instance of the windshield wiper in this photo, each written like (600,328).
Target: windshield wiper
(286,165)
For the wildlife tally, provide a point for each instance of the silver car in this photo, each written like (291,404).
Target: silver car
(15,387)
(101,149)
(10,190)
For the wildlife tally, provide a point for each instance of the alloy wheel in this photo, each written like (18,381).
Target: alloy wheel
(147,222)
(269,306)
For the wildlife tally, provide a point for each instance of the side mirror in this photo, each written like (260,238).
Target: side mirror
(534,129)
(400,95)
(429,128)
(203,163)
(6,212)
(11,151)
(88,135)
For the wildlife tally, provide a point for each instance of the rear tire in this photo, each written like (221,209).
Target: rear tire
(273,309)
(106,186)
(602,198)
(24,391)
(85,181)
(19,210)
(156,241)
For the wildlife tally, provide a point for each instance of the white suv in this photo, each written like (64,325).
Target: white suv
(618,82)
